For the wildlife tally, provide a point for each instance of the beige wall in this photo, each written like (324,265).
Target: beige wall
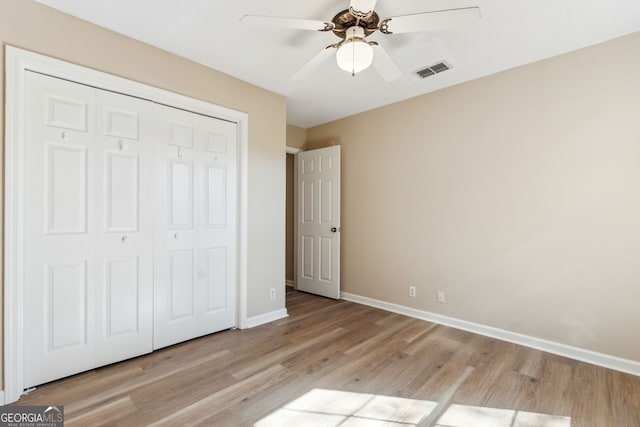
(28,25)
(517,194)
(296,136)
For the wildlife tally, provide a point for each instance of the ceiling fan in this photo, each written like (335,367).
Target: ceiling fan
(354,52)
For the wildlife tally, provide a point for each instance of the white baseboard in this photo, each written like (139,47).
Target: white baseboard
(583,355)
(261,319)
(290,283)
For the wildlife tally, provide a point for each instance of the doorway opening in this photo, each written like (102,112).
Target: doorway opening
(290,223)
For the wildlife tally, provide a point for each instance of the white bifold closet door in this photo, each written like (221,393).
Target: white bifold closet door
(195,232)
(88,250)
(129,227)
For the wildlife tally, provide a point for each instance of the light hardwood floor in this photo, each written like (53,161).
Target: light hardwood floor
(340,363)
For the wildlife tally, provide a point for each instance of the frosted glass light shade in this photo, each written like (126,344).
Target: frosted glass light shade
(355,54)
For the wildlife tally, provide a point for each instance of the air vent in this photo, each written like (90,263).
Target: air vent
(434,69)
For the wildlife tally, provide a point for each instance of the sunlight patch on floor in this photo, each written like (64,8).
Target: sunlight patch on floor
(476,416)
(323,408)
(327,408)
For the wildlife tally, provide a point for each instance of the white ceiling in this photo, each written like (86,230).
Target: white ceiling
(510,33)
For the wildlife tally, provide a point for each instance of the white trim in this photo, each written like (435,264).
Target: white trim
(261,319)
(2,402)
(13,214)
(612,362)
(295,222)
(294,151)
(243,221)
(17,62)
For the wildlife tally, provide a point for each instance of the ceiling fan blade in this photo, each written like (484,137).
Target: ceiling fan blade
(314,63)
(286,23)
(431,21)
(362,7)
(384,65)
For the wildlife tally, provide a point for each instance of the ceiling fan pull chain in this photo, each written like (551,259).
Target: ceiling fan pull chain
(353,70)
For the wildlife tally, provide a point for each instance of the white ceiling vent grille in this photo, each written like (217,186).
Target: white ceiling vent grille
(433,69)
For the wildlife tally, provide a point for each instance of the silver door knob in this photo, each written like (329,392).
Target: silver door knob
(334,230)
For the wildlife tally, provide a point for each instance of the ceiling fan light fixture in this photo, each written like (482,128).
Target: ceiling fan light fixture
(354,54)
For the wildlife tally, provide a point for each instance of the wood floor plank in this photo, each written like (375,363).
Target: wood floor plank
(262,363)
(152,377)
(258,406)
(103,414)
(240,377)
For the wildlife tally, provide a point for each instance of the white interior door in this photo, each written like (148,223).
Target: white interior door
(318,221)
(59,299)
(195,250)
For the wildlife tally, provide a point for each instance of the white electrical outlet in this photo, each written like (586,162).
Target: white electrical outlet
(412,291)
(441,297)
(272,293)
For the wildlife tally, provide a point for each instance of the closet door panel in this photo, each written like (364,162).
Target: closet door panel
(215,262)
(181,283)
(215,195)
(180,194)
(66,188)
(174,251)
(124,228)
(122,286)
(59,299)
(66,306)
(122,186)
(217,224)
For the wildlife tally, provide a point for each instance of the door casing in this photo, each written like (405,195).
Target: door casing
(294,151)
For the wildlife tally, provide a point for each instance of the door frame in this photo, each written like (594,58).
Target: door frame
(293,151)
(18,62)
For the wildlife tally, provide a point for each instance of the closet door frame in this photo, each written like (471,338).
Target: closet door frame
(18,63)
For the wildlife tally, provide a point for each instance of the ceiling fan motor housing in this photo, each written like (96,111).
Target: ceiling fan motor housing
(345,20)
